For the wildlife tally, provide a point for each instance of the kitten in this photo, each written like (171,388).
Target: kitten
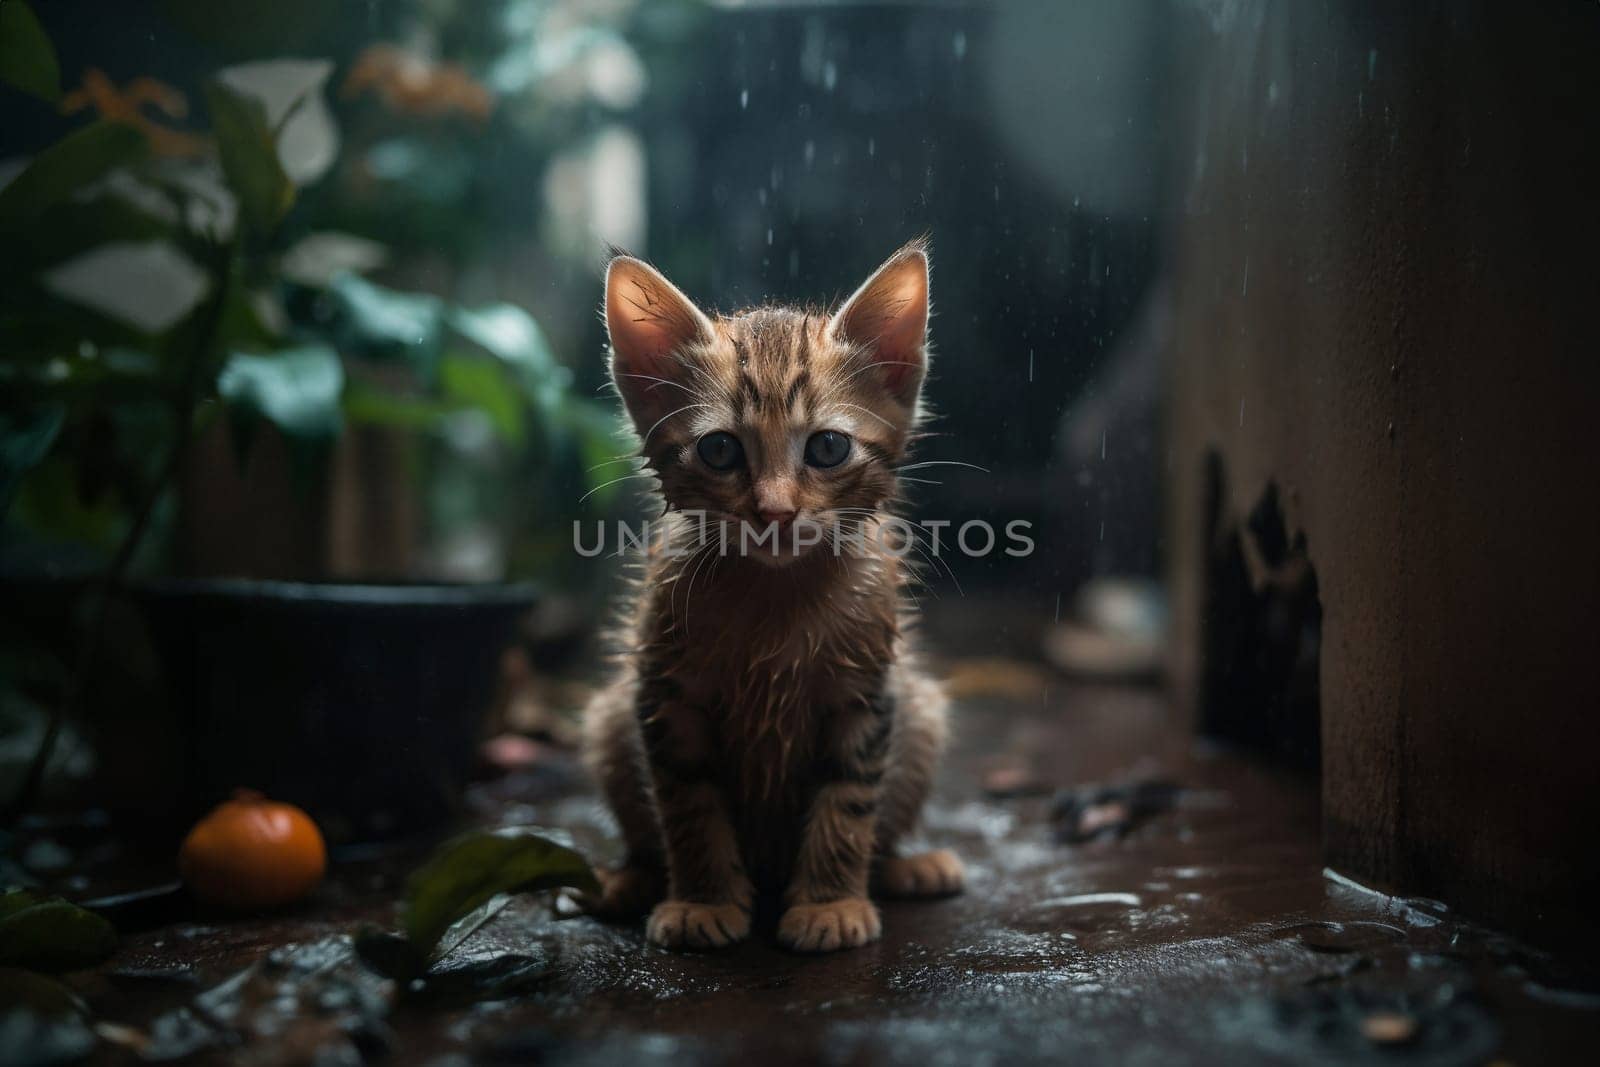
(769,730)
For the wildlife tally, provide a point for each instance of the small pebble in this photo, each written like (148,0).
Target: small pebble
(1388,1028)
(1012,780)
(1100,817)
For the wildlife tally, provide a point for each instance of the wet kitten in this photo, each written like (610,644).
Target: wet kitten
(769,730)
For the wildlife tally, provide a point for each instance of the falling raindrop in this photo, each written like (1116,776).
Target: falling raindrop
(811,153)
(872,147)
(959,45)
(830,76)
(769,236)
(744,99)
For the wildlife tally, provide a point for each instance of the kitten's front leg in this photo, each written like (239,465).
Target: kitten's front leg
(827,900)
(709,895)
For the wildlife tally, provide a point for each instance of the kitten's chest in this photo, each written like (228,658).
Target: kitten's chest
(770,669)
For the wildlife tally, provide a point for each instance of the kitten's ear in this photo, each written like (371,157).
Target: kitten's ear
(888,316)
(649,321)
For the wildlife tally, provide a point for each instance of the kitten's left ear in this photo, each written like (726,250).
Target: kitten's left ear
(888,317)
(650,323)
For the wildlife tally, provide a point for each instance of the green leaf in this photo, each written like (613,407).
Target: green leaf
(509,333)
(49,507)
(482,385)
(364,404)
(318,258)
(378,323)
(74,227)
(467,872)
(65,167)
(147,287)
(25,439)
(296,389)
(241,323)
(49,934)
(249,155)
(27,58)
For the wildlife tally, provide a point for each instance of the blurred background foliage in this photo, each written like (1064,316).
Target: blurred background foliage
(297,291)
(448,174)
(211,240)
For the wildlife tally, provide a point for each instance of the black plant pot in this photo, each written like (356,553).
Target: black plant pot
(361,703)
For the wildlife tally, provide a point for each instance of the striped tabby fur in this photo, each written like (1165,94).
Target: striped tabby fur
(768,730)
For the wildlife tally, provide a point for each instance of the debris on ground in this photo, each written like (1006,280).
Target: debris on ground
(1388,1028)
(1109,811)
(1008,780)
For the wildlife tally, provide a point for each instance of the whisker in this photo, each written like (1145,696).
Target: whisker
(943,463)
(917,531)
(664,418)
(614,481)
(697,561)
(872,414)
(625,457)
(688,596)
(659,382)
(856,373)
(836,387)
(696,369)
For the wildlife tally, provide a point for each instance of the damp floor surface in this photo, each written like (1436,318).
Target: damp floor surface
(1210,933)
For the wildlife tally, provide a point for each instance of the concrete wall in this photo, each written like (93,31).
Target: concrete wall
(1388,278)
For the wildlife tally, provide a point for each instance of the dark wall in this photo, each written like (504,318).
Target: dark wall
(1387,309)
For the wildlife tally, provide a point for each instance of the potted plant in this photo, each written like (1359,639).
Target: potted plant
(212,412)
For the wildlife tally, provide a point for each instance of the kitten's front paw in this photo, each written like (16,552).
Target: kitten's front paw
(848,923)
(625,892)
(928,874)
(686,924)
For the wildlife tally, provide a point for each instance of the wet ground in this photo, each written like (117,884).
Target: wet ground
(1208,933)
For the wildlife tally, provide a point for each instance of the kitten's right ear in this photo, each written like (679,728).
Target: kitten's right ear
(888,318)
(649,322)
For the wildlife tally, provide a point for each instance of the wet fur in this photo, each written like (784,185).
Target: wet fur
(768,729)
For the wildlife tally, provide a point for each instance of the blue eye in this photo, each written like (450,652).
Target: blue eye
(721,451)
(827,448)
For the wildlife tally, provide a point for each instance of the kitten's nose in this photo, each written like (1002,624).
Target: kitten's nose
(781,516)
